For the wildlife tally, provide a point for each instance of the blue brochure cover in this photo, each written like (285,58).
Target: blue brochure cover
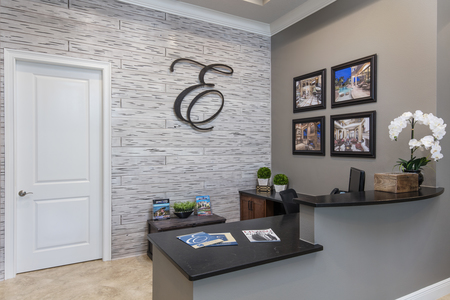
(203,206)
(228,239)
(161,209)
(199,239)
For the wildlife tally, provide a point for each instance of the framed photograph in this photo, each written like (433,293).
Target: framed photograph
(353,134)
(308,136)
(309,91)
(354,82)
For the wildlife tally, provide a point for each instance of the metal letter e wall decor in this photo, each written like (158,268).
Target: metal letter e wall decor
(177,105)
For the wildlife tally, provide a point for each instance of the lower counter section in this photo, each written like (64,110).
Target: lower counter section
(181,272)
(196,264)
(268,281)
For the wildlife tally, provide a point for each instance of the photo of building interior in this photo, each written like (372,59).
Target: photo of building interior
(308,91)
(352,135)
(353,82)
(89,138)
(307,136)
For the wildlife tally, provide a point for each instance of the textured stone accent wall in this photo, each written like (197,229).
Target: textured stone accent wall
(154,155)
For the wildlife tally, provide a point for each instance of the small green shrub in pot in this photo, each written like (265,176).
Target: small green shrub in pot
(280,179)
(183,209)
(183,206)
(280,182)
(264,174)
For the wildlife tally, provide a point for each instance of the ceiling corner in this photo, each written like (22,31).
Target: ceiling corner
(212,16)
(298,14)
(203,14)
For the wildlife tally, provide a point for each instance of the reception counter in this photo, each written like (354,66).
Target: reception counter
(176,264)
(366,246)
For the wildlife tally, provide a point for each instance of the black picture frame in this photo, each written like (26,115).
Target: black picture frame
(308,136)
(353,134)
(310,91)
(354,82)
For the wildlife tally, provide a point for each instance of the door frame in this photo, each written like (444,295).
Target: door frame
(11,57)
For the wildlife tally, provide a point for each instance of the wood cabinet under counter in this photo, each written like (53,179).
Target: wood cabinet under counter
(254,204)
(254,208)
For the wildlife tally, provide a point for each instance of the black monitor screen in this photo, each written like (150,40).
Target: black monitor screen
(357,180)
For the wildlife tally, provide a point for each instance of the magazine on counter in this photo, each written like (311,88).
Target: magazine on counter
(228,239)
(261,235)
(203,206)
(199,239)
(161,209)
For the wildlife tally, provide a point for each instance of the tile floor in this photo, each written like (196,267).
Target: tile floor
(128,278)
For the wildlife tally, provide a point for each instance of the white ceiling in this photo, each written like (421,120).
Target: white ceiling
(267,13)
(268,19)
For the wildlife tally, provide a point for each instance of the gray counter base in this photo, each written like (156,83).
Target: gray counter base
(168,282)
(269,281)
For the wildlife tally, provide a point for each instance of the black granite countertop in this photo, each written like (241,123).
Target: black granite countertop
(206,262)
(367,198)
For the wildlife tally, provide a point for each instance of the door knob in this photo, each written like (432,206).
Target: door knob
(23,193)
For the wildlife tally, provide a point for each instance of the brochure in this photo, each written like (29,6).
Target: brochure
(199,239)
(228,239)
(203,206)
(161,209)
(261,235)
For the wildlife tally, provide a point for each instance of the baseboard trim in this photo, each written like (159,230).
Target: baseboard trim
(431,292)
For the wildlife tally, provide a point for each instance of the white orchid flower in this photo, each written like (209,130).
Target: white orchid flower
(439,132)
(427,141)
(418,116)
(437,156)
(435,147)
(435,122)
(414,143)
(426,119)
(406,116)
(436,125)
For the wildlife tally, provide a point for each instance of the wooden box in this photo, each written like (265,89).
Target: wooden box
(263,188)
(396,182)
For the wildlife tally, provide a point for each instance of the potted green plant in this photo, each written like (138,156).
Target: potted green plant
(280,182)
(264,174)
(183,209)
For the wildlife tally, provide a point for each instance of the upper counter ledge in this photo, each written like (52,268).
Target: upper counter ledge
(367,198)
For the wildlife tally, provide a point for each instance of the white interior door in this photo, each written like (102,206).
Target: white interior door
(58,165)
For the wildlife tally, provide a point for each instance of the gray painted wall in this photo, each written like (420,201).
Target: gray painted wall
(403,35)
(412,40)
(153,154)
(443,86)
(440,235)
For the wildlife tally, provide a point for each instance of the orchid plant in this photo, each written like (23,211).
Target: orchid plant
(431,142)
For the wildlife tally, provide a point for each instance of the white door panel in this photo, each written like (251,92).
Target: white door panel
(59,211)
(54,155)
(59,161)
